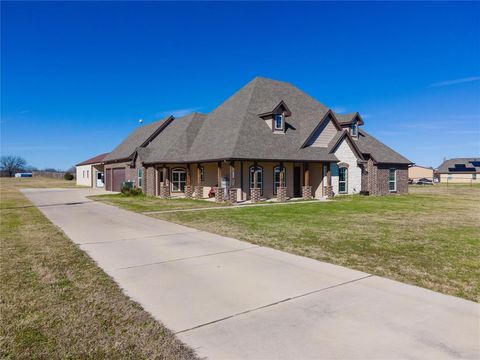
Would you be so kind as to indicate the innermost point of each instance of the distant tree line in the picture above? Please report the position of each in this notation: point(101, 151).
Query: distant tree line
point(12, 164)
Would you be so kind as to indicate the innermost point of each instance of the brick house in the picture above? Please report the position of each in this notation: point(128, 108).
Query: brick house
point(268, 140)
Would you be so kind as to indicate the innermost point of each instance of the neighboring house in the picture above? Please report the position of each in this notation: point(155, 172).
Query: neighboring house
point(417, 172)
point(90, 172)
point(267, 140)
point(459, 170)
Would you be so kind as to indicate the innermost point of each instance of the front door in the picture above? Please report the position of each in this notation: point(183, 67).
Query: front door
point(99, 179)
point(297, 191)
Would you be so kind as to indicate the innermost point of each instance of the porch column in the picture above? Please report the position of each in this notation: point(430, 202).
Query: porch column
point(255, 191)
point(306, 188)
point(232, 192)
point(281, 189)
point(329, 188)
point(198, 187)
point(188, 185)
point(220, 191)
point(164, 187)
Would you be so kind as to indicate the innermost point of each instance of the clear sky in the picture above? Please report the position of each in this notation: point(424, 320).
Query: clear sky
point(77, 76)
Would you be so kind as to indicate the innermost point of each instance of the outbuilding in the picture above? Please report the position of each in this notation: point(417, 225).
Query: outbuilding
point(90, 172)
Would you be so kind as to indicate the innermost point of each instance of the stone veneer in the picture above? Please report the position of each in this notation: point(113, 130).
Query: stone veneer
point(233, 195)
point(281, 194)
point(198, 194)
point(219, 194)
point(189, 191)
point(306, 192)
point(255, 194)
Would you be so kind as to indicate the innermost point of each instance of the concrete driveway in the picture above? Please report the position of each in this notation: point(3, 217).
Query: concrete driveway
point(231, 299)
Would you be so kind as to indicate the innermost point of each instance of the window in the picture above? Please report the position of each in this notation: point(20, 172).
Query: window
point(354, 129)
point(343, 180)
point(259, 178)
point(139, 173)
point(276, 178)
point(392, 180)
point(88, 173)
point(474, 176)
point(83, 173)
point(202, 174)
point(278, 122)
point(179, 180)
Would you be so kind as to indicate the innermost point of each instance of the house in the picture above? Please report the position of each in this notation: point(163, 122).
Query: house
point(268, 140)
point(459, 170)
point(417, 172)
point(90, 172)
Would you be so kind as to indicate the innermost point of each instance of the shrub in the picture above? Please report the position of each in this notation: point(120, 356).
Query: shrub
point(68, 176)
point(129, 190)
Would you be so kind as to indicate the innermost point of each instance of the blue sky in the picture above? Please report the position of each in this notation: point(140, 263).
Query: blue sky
point(77, 76)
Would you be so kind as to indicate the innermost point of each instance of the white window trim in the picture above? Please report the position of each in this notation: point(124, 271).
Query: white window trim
point(354, 126)
point(346, 180)
point(139, 177)
point(394, 180)
point(178, 170)
point(276, 183)
point(275, 122)
point(250, 178)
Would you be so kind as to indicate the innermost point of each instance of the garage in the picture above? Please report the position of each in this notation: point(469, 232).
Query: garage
point(114, 179)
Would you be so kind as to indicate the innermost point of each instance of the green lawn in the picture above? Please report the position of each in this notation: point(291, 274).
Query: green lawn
point(55, 303)
point(144, 203)
point(430, 237)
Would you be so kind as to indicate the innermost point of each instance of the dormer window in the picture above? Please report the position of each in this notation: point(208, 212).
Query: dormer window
point(354, 129)
point(278, 122)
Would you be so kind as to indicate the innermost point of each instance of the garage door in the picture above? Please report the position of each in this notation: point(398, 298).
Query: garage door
point(108, 180)
point(118, 178)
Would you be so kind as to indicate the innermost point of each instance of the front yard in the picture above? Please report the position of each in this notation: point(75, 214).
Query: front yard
point(55, 303)
point(429, 238)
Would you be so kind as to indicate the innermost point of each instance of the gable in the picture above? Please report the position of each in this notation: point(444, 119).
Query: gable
point(344, 151)
point(323, 134)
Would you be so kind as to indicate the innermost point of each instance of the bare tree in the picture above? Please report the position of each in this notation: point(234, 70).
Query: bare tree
point(12, 164)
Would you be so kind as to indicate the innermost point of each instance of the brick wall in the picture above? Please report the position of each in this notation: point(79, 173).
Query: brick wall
point(379, 181)
point(150, 181)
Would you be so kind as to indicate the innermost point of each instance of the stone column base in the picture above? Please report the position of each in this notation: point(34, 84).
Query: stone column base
point(254, 194)
point(164, 191)
point(233, 195)
point(281, 194)
point(219, 194)
point(329, 191)
point(188, 191)
point(306, 192)
point(198, 192)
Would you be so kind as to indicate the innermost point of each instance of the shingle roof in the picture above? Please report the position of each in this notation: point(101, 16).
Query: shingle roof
point(460, 165)
point(380, 152)
point(127, 147)
point(94, 160)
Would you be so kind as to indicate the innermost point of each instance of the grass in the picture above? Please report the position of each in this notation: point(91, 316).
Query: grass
point(144, 203)
point(56, 303)
point(429, 238)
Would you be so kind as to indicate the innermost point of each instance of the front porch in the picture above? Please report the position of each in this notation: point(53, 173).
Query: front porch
point(240, 181)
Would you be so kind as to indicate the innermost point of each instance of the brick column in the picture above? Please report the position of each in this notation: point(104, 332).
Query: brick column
point(281, 194)
point(232, 195)
point(164, 191)
point(329, 191)
point(189, 191)
point(306, 192)
point(150, 181)
point(254, 194)
point(198, 192)
point(219, 194)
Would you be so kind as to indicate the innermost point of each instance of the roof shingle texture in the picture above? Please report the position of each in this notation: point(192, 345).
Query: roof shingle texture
point(378, 150)
point(94, 160)
point(127, 147)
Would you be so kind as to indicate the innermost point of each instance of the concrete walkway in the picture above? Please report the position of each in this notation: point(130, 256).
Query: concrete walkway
point(230, 299)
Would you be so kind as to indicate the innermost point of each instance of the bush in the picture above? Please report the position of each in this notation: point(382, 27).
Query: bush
point(129, 190)
point(68, 176)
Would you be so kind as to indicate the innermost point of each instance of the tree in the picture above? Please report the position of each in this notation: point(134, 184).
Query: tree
point(12, 164)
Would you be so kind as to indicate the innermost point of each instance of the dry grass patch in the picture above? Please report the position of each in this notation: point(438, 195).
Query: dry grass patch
point(56, 303)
